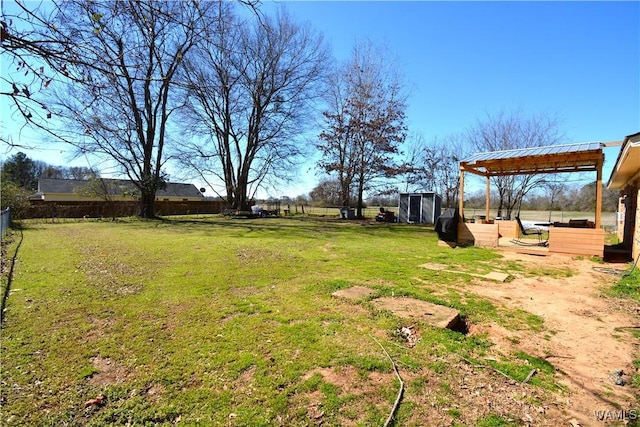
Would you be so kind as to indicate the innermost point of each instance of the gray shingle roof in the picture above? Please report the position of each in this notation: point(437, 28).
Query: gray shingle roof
point(114, 187)
point(179, 190)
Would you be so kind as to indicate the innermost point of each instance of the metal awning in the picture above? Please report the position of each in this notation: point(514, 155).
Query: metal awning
point(577, 157)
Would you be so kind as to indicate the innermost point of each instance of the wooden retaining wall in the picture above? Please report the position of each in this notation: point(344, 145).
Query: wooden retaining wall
point(478, 234)
point(508, 229)
point(578, 241)
point(565, 240)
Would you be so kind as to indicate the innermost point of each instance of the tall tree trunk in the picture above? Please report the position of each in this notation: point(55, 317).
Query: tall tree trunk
point(241, 201)
point(147, 204)
point(344, 194)
point(360, 197)
point(345, 184)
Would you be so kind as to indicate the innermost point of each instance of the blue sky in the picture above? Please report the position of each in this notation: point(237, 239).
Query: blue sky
point(464, 60)
point(580, 60)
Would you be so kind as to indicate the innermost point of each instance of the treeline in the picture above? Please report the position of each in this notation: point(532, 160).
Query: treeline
point(577, 198)
point(19, 179)
point(25, 172)
point(550, 195)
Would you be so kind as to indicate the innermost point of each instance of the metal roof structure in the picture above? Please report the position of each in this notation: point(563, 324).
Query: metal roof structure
point(576, 157)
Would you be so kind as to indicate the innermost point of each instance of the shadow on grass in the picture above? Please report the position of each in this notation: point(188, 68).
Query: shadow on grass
point(291, 225)
point(7, 287)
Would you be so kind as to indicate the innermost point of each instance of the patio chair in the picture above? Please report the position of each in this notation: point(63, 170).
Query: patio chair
point(529, 231)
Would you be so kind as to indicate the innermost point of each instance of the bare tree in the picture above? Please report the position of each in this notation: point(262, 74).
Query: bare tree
point(110, 191)
point(512, 131)
point(435, 166)
point(364, 123)
point(251, 90)
point(29, 45)
point(443, 158)
point(554, 190)
point(122, 97)
point(326, 193)
point(40, 54)
point(337, 145)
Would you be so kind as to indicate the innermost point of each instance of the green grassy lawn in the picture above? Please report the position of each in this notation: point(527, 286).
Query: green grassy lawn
point(215, 321)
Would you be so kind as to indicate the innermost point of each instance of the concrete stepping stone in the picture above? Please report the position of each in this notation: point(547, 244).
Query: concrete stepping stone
point(435, 315)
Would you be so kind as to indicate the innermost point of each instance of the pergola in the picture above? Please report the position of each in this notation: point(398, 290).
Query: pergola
point(577, 157)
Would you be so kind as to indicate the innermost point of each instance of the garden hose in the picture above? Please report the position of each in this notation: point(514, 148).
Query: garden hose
point(628, 273)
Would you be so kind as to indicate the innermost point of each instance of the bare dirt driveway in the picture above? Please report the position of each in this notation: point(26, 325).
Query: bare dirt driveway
point(588, 338)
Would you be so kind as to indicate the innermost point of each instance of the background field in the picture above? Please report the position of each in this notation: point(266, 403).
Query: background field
point(608, 218)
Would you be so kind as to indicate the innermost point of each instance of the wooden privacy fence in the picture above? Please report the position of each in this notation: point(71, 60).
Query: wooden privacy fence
point(104, 209)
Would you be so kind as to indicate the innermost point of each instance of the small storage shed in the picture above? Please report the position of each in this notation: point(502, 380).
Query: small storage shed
point(419, 208)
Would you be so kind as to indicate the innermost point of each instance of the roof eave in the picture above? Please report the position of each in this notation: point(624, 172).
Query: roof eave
point(627, 164)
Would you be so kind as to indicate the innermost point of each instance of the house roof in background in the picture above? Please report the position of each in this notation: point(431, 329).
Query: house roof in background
point(179, 190)
point(627, 164)
point(114, 187)
point(576, 157)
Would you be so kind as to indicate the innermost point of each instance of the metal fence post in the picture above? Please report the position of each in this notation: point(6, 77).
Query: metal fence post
point(5, 221)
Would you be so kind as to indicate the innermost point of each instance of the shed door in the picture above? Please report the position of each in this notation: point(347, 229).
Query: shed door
point(415, 208)
point(427, 209)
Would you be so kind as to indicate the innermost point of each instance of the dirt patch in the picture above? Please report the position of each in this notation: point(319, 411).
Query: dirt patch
point(349, 382)
point(433, 266)
point(493, 275)
point(109, 372)
point(244, 291)
point(247, 376)
point(466, 393)
point(260, 255)
point(354, 293)
point(100, 325)
point(105, 271)
point(581, 340)
point(154, 392)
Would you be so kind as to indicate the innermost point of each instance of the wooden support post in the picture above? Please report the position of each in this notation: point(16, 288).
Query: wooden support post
point(487, 198)
point(599, 195)
point(461, 196)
